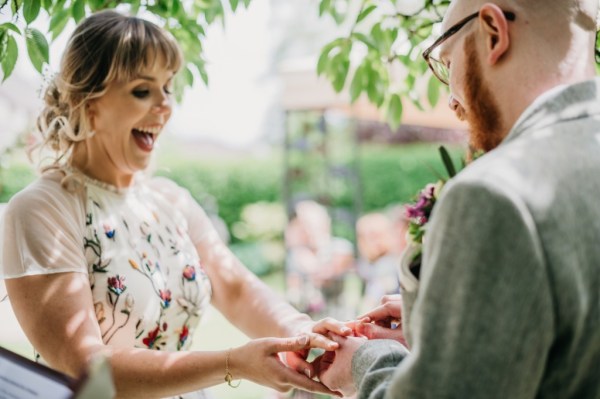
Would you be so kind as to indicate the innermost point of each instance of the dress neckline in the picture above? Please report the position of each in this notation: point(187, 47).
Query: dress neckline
point(78, 174)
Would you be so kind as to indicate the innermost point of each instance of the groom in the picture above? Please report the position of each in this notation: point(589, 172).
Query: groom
point(509, 298)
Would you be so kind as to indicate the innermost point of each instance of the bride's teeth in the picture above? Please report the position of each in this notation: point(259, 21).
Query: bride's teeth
point(150, 130)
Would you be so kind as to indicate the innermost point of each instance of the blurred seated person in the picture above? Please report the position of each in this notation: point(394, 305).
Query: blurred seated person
point(379, 258)
point(316, 261)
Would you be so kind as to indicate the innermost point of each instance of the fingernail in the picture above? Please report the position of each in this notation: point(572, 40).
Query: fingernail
point(332, 345)
point(307, 373)
point(303, 340)
point(346, 330)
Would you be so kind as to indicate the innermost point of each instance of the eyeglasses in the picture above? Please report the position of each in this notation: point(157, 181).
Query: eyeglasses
point(439, 69)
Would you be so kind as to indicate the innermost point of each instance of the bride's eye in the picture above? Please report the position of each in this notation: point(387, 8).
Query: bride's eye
point(141, 93)
point(168, 90)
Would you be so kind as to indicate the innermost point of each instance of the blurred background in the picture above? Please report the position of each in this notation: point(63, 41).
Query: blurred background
point(306, 186)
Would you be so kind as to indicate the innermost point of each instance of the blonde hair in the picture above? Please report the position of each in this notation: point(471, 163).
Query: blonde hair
point(105, 47)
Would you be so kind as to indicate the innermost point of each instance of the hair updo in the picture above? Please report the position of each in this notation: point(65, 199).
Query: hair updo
point(104, 48)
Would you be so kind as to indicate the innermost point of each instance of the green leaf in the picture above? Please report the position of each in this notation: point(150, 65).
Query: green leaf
point(78, 10)
point(247, 3)
point(340, 66)
point(58, 22)
point(324, 6)
point(3, 43)
point(375, 88)
point(175, 7)
point(394, 112)
point(184, 79)
point(96, 5)
point(358, 83)
point(15, 5)
point(47, 4)
point(447, 162)
point(31, 10)
point(135, 6)
point(11, 26)
point(203, 73)
point(433, 91)
point(59, 5)
point(234, 4)
point(341, 73)
point(365, 39)
point(10, 58)
point(417, 103)
point(364, 13)
point(323, 61)
point(377, 33)
point(188, 76)
point(37, 48)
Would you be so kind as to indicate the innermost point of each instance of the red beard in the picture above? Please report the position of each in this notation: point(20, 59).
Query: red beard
point(483, 116)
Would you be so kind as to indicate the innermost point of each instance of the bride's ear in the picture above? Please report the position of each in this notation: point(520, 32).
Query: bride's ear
point(90, 113)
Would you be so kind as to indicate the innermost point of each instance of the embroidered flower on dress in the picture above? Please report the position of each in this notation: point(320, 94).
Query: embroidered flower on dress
point(152, 337)
point(165, 296)
point(109, 231)
point(134, 264)
point(116, 284)
point(99, 309)
point(189, 273)
point(183, 336)
point(129, 302)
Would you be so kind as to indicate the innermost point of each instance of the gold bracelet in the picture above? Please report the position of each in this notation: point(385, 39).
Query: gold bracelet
point(228, 376)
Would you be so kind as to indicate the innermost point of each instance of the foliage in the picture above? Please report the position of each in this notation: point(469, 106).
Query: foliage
point(380, 53)
point(247, 192)
point(186, 20)
point(388, 174)
point(225, 186)
point(13, 179)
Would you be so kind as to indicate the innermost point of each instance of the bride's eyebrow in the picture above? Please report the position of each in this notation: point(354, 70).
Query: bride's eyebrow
point(148, 78)
point(144, 77)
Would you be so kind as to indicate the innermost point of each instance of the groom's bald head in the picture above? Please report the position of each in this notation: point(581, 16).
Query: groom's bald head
point(548, 12)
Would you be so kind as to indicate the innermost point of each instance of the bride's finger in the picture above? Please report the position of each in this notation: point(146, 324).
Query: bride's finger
point(323, 342)
point(331, 325)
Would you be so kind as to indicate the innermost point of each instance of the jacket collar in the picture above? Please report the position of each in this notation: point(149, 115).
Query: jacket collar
point(560, 104)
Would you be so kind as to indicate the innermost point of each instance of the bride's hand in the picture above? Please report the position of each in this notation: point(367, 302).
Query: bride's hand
point(258, 361)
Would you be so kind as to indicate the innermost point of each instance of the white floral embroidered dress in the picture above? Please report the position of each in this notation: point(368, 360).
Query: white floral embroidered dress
point(137, 246)
point(147, 281)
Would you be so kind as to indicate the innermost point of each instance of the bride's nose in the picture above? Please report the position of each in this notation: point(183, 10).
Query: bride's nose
point(162, 107)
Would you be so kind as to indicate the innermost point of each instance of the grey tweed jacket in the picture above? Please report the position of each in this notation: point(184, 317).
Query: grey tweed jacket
point(508, 305)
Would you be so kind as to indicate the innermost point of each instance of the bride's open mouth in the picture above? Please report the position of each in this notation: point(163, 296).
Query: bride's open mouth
point(145, 137)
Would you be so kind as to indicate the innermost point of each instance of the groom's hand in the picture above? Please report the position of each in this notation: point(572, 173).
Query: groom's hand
point(317, 333)
point(386, 321)
point(334, 368)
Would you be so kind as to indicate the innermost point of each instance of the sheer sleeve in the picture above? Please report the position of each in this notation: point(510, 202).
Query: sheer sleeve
point(200, 226)
point(42, 230)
